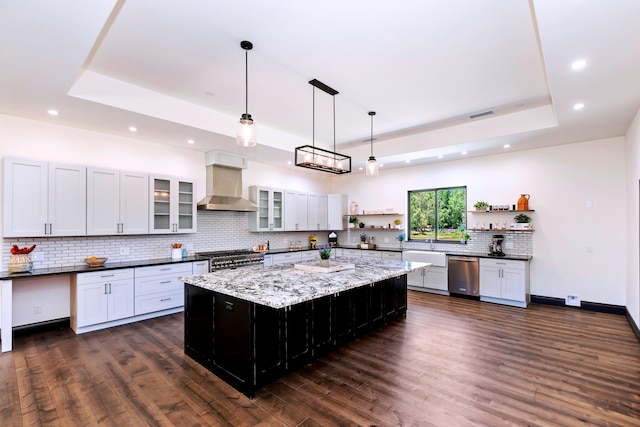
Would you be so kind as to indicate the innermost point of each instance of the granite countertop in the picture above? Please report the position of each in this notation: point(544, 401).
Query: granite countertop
point(84, 268)
point(308, 248)
point(280, 286)
point(486, 255)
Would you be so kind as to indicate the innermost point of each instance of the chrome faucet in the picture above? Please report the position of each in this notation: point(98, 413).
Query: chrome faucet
point(431, 247)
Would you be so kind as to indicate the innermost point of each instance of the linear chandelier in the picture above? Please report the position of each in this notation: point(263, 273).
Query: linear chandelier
point(310, 157)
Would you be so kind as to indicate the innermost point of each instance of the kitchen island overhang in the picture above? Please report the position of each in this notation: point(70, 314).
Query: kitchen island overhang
point(252, 325)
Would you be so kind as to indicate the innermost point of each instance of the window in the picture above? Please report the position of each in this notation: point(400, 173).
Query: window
point(439, 214)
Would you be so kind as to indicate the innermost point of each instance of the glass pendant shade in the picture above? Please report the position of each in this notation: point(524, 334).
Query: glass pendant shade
point(372, 167)
point(246, 132)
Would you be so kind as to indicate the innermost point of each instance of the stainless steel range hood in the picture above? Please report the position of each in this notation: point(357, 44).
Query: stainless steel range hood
point(224, 184)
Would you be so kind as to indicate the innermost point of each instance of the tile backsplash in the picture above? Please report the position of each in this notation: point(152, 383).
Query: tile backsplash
point(223, 231)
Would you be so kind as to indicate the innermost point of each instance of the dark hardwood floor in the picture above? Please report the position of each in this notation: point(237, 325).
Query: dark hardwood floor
point(451, 362)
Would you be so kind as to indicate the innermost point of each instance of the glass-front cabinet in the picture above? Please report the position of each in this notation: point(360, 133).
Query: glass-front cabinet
point(269, 216)
point(173, 206)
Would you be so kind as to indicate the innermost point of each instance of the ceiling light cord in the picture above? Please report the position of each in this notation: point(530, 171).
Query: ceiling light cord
point(246, 131)
point(372, 168)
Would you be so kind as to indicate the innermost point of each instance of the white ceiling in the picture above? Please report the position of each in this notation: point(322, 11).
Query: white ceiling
point(176, 71)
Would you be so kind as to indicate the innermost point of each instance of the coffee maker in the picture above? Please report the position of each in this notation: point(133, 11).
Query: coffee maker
point(495, 249)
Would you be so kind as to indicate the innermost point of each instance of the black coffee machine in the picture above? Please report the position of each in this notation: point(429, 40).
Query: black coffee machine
point(333, 239)
point(495, 249)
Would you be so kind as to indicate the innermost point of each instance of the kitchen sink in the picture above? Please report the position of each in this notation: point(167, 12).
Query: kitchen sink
point(438, 259)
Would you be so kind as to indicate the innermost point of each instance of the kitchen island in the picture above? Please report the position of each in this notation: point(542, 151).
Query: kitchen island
point(252, 325)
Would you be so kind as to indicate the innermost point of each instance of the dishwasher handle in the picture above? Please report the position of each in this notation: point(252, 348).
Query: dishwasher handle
point(463, 259)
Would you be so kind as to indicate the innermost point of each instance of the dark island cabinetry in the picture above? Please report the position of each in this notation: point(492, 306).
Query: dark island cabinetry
point(250, 345)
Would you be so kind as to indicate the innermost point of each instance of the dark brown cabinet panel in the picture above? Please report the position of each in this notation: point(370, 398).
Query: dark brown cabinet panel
point(198, 324)
point(343, 316)
point(361, 310)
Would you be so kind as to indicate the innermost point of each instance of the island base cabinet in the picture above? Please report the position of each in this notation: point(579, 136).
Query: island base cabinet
point(249, 345)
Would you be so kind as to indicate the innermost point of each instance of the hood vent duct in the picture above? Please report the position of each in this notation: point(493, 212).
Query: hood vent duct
point(224, 184)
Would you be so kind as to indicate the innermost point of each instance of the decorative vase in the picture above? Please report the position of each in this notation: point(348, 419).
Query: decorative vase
point(20, 263)
point(523, 202)
point(176, 253)
point(353, 208)
point(324, 263)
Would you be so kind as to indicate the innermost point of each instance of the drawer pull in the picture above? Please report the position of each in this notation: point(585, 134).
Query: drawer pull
point(165, 269)
point(165, 282)
point(228, 305)
point(108, 275)
point(165, 299)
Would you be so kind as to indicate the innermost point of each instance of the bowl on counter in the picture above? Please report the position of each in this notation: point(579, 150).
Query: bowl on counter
point(95, 261)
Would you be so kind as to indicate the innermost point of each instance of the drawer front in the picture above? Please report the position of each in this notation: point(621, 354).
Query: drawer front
point(352, 252)
point(157, 302)
point(309, 256)
point(286, 258)
point(156, 284)
point(502, 263)
point(104, 276)
point(180, 269)
point(392, 255)
point(371, 254)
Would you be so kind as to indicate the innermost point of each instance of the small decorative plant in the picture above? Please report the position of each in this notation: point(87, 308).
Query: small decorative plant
point(354, 220)
point(522, 218)
point(464, 237)
point(325, 252)
point(481, 205)
point(401, 237)
point(363, 238)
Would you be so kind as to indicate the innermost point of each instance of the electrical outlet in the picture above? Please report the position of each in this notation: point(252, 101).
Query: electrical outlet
point(572, 300)
point(124, 250)
point(37, 309)
point(37, 256)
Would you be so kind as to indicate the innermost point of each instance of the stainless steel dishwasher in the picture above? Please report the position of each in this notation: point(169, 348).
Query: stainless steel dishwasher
point(463, 275)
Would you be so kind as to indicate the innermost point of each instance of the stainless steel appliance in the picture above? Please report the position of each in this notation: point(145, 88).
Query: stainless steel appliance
point(495, 249)
point(463, 275)
point(220, 260)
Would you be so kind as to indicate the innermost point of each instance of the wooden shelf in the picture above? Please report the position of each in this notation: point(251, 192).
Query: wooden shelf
point(507, 211)
point(502, 230)
point(379, 214)
point(375, 228)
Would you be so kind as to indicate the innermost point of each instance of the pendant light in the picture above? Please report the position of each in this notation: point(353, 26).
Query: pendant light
point(246, 133)
point(372, 165)
point(310, 157)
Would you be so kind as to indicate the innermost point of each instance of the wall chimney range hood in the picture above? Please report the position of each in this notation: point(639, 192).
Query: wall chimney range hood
point(224, 183)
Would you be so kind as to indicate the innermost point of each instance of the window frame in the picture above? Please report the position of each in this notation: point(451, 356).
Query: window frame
point(436, 231)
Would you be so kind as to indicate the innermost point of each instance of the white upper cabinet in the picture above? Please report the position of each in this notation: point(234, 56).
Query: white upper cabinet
point(117, 202)
point(316, 211)
point(172, 205)
point(270, 215)
point(295, 210)
point(43, 199)
point(336, 211)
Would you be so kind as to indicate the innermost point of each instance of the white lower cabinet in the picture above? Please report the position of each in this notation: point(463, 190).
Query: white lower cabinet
point(285, 258)
point(107, 298)
point(504, 281)
point(102, 297)
point(432, 279)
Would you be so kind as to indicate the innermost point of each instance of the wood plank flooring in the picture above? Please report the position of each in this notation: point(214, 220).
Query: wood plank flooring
point(451, 362)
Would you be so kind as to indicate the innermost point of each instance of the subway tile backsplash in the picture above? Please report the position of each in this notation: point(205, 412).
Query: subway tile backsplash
point(222, 231)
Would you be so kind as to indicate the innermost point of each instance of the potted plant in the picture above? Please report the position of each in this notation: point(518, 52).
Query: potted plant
point(464, 236)
point(353, 221)
point(481, 206)
point(363, 241)
point(522, 218)
point(401, 238)
point(325, 254)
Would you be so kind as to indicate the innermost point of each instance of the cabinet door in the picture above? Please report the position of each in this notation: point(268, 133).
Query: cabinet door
point(295, 210)
point(490, 282)
point(134, 203)
point(232, 346)
point(298, 334)
point(103, 201)
point(121, 298)
point(312, 211)
point(186, 207)
point(513, 284)
point(389, 299)
point(336, 211)
point(200, 267)
point(400, 284)
point(161, 220)
point(198, 323)
point(67, 200)
point(436, 278)
point(277, 210)
point(377, 304)
point(343, 317)
point(362, 310)
point(416, 278)
point(92, 304)
point(322, 325)
point(24, 198)
point(323, 214)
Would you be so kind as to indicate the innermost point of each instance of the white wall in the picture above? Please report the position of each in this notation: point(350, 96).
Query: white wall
point(633, 219)
point(560, 180)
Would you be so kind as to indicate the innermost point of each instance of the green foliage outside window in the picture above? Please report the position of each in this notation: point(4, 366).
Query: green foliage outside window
point(438, 213)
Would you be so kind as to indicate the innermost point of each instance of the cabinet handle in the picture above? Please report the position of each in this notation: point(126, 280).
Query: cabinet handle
point(228, 305)
point(165, 299)
point(165, 269)
point(45, 228)
point(165, 282)
point(107, 275)
point(105, 289)
point(109, 287)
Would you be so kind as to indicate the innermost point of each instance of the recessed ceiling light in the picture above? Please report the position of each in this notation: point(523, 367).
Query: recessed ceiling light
point(579, 64)
point(381, 165)
point(464, 153)
point(506, 146)
point(440, 156)
point(133, 129)
point(407, 161)
point(209, 93)
point(190, 141)
point(578, 106)
point(53, 112)
point(361, 168)
point(289, 162)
